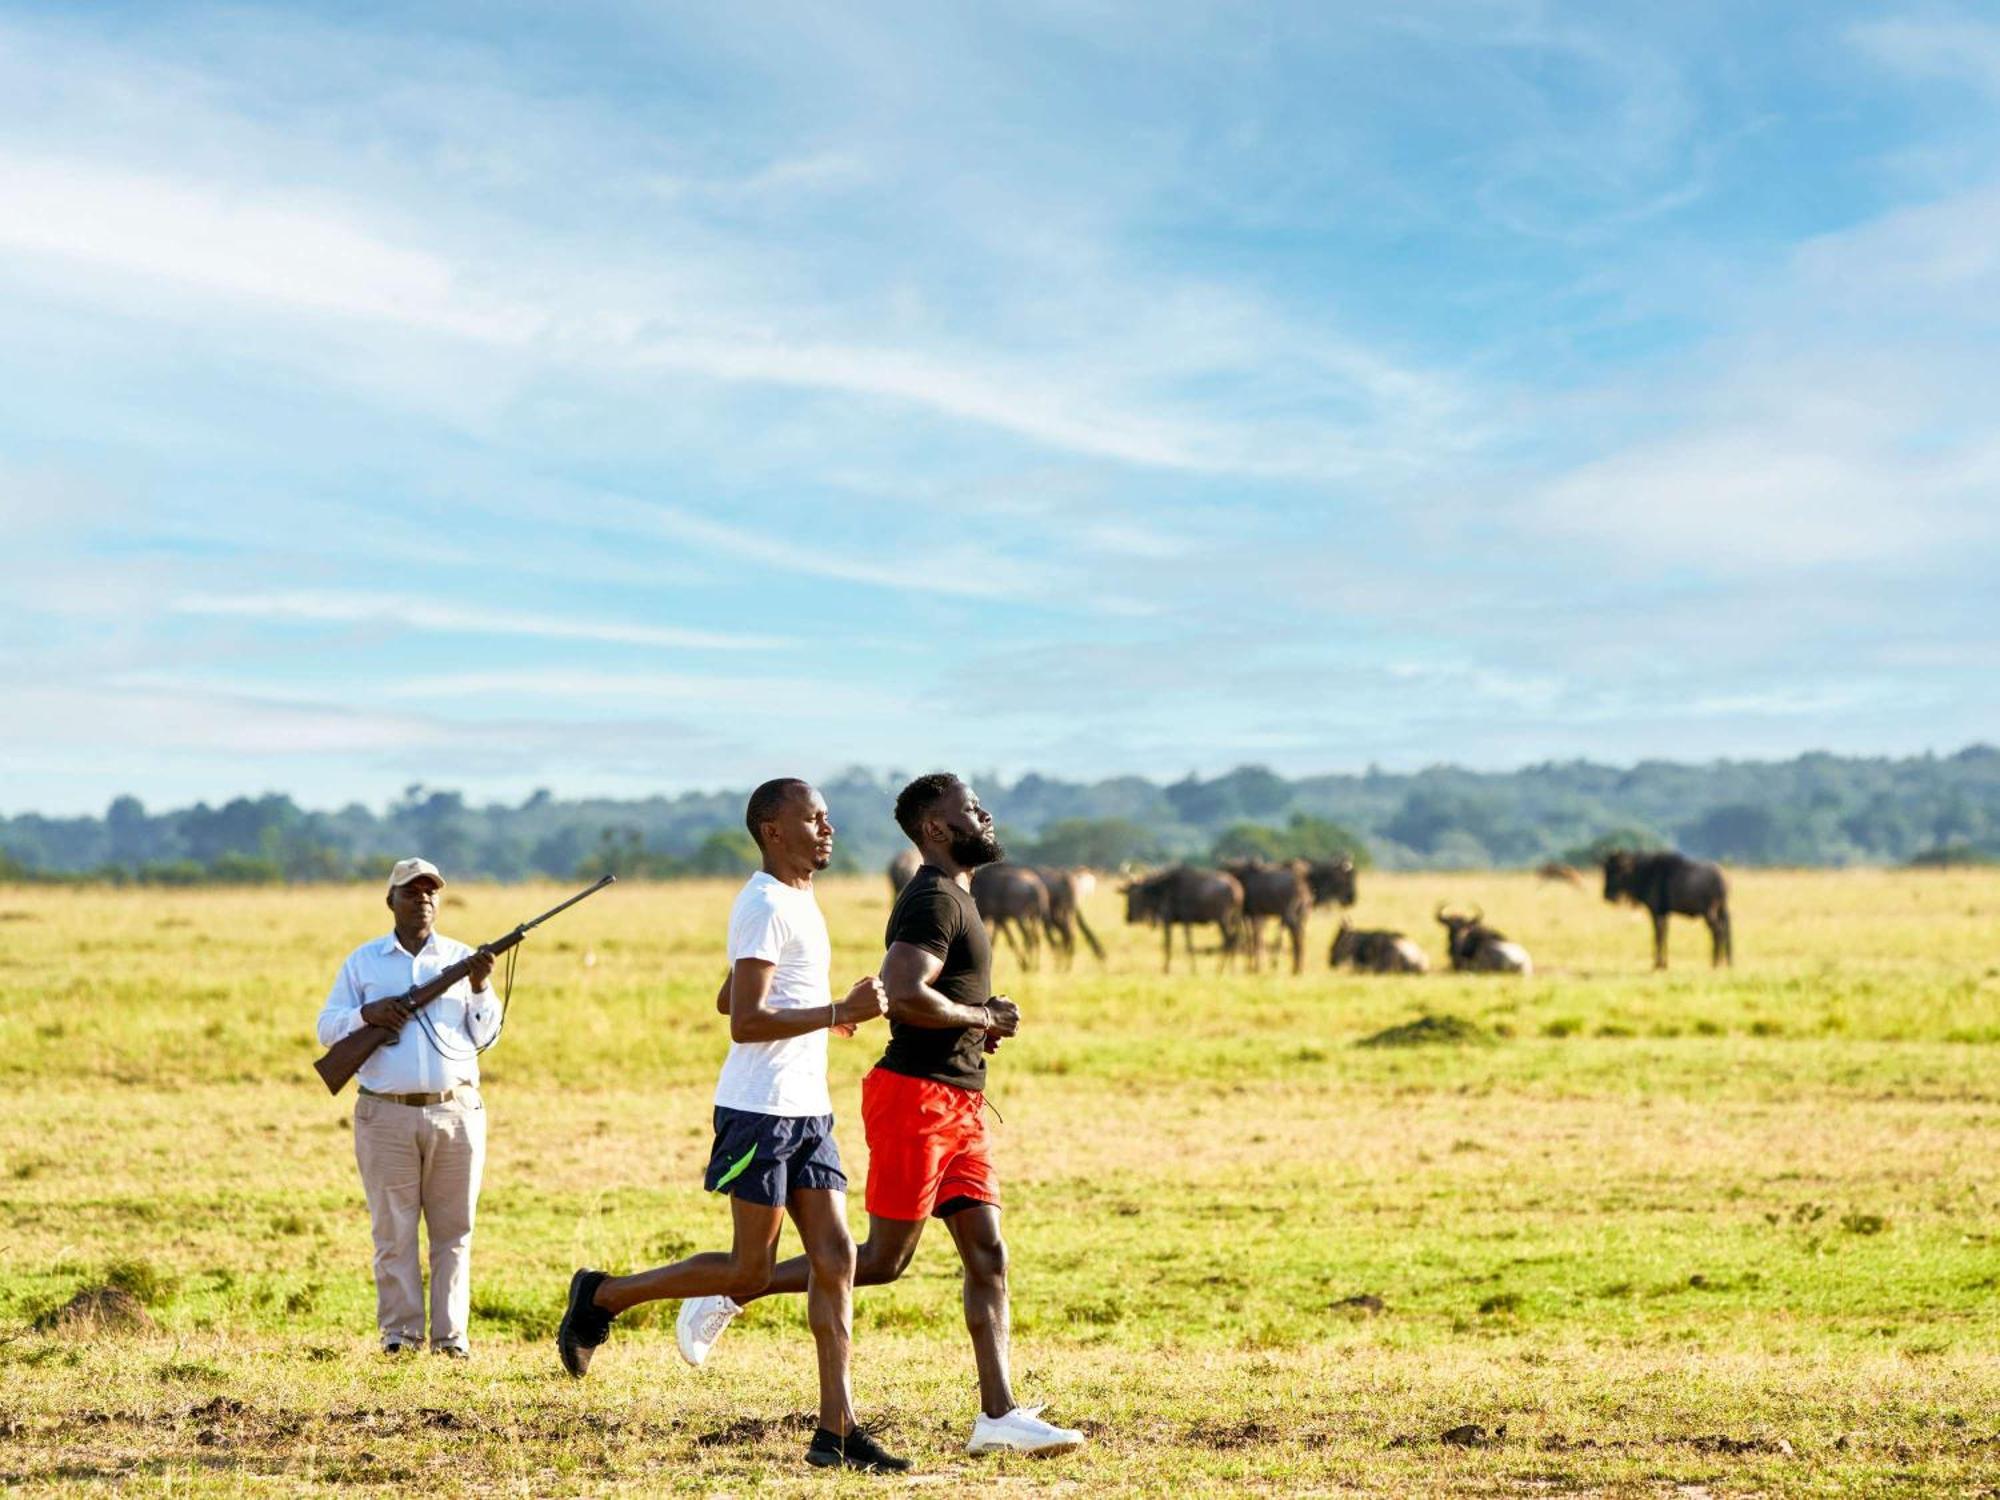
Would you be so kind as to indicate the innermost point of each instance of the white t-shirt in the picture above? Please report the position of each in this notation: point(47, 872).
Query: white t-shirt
point(783, 926)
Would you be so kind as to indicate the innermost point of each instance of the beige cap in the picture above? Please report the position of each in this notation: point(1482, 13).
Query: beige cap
point(409, 869)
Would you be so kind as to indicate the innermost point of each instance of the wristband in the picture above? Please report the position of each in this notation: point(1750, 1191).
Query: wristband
point(832, 1015)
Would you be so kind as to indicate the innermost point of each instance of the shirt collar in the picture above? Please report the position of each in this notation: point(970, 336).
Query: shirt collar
point(391, 947)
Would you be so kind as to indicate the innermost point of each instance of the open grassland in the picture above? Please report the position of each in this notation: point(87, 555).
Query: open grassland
point(1678, 1234)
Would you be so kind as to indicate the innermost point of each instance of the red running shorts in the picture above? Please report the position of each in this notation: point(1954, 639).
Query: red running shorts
point(926, 1145)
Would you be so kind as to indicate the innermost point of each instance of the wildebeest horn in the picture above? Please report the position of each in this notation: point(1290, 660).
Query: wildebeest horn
point(1442, 915)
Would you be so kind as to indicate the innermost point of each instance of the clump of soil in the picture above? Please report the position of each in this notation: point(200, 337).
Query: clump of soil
point(1433, 1031)
point(99, 1309)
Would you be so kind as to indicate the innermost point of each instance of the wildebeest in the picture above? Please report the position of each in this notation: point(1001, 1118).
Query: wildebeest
point(1379, 951)
point(1014, 904)
point(1331, 880)
point(1555, 869)
point(1274, 891)
point(902, 870)
point(1066, 889)
point(1476, 948)
point(1187, 897)
point(1668, 883)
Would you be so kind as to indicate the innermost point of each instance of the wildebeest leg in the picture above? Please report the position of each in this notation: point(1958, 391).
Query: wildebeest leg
point(1017, 935)
point(1718, 930)
point(1168, 927)
point(1089, 937)
point(1660, 919)
point(1187, 930)
point(1298, 927)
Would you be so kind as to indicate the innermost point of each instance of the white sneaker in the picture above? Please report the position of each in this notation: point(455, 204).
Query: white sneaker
point(700, 1324)
point(1022, 1430)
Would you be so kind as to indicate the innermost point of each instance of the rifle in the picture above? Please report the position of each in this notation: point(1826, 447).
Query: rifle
point(345, 1057)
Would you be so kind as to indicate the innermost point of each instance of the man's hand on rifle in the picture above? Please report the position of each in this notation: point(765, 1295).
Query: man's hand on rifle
point(389, 1014)
point(481, 963)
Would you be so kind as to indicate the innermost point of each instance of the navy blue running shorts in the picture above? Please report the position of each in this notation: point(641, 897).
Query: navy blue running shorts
point(763, 1158)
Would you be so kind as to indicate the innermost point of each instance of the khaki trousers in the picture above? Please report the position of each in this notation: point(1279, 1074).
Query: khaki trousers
point(422, 1160)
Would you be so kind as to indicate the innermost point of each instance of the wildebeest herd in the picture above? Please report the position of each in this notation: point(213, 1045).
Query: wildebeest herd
point(1028, 908)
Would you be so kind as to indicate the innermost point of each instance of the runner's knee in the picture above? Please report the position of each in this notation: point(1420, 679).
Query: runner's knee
point(748, 1278)
point(832, 1259)
point(877, 1265)
point(986, 1260)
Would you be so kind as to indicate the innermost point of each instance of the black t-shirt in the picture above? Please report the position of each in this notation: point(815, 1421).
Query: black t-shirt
point(933, 913)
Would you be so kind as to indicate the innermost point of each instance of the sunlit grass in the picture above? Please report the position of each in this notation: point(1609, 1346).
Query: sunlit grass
point(1733, 1229)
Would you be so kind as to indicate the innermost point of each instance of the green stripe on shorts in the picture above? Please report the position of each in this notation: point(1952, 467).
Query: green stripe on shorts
point(736, 1171)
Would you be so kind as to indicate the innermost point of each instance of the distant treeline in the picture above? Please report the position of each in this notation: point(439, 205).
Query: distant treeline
point(1815, 810)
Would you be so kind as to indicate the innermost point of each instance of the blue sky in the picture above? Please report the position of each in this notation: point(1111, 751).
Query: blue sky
point(634, 397)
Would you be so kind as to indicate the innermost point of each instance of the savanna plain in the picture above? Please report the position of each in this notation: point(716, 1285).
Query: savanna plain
point(1683, 1234)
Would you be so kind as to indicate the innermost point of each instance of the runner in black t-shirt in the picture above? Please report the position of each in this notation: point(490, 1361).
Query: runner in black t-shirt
point(920, 1106)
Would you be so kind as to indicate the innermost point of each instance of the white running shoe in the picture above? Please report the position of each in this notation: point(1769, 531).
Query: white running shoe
point(700, 1324)
point(1022, 1430)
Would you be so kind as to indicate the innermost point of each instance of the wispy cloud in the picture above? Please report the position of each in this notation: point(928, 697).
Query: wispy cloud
point(390, 611)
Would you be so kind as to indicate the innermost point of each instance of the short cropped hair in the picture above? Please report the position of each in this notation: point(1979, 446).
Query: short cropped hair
point(916, 800)
point(767, 800)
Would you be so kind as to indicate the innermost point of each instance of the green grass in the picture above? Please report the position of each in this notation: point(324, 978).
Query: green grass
point(1735, 1231)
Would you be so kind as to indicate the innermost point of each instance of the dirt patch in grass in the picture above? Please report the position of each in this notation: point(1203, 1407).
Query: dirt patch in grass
point(1433, 1031)
point(756, 1429)
point(98, 1309)
point(1228, 1435)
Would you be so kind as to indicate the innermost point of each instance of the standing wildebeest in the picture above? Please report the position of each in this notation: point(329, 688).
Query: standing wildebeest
point(1331, 880)
point(1066, 890)
point(902, 870)
point(1667, 883)
point(1186, 896)
point(1379, 951)
point(1274, 891)
point(1014, 904)
point(1476, 948)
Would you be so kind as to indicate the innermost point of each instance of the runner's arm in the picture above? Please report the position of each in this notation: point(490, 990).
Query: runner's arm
point(722, 995)
point(907, 972)
point(752, 1017)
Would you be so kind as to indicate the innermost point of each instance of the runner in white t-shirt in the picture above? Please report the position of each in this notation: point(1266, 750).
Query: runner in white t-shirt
point(774, 1151)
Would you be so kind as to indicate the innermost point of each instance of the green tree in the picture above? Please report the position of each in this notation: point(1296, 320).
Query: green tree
point(727, 851)
point(1100, 843)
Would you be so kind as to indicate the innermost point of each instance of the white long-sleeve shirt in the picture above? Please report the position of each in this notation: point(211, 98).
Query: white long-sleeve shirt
point(462, 1017)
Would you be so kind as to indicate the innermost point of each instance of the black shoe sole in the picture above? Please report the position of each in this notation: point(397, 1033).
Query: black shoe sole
point(566, 1345)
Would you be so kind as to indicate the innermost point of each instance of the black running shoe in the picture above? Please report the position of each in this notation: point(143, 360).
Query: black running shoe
point(858, 1450)
point(584, 1325)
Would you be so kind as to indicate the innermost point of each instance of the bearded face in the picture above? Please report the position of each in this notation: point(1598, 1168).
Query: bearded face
point(972, 849)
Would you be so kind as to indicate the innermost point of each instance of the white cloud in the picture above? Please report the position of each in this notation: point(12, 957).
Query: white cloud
point(323, 608)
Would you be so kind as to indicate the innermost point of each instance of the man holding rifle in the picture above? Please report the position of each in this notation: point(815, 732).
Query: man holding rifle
point(419, 1125)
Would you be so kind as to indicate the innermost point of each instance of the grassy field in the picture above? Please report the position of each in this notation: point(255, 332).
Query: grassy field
point(1677, 1234)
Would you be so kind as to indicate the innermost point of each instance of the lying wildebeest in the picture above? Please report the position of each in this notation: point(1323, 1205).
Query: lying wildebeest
point(1476, 948)
point(1187, 897)
point(1331, 880)
point(1555, 869)
point(1014, 904)
point(1066, 889)
point(1379, 952)
point(1667, 883)
point(902, 870)
point(1274, 891)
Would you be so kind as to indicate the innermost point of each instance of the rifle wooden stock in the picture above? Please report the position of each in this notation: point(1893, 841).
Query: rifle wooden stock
point(345, 1057)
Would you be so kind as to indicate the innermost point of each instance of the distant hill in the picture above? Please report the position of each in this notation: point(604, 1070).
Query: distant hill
point(1817, 809)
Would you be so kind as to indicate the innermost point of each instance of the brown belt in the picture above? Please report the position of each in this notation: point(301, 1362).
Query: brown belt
point(420, 1101)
